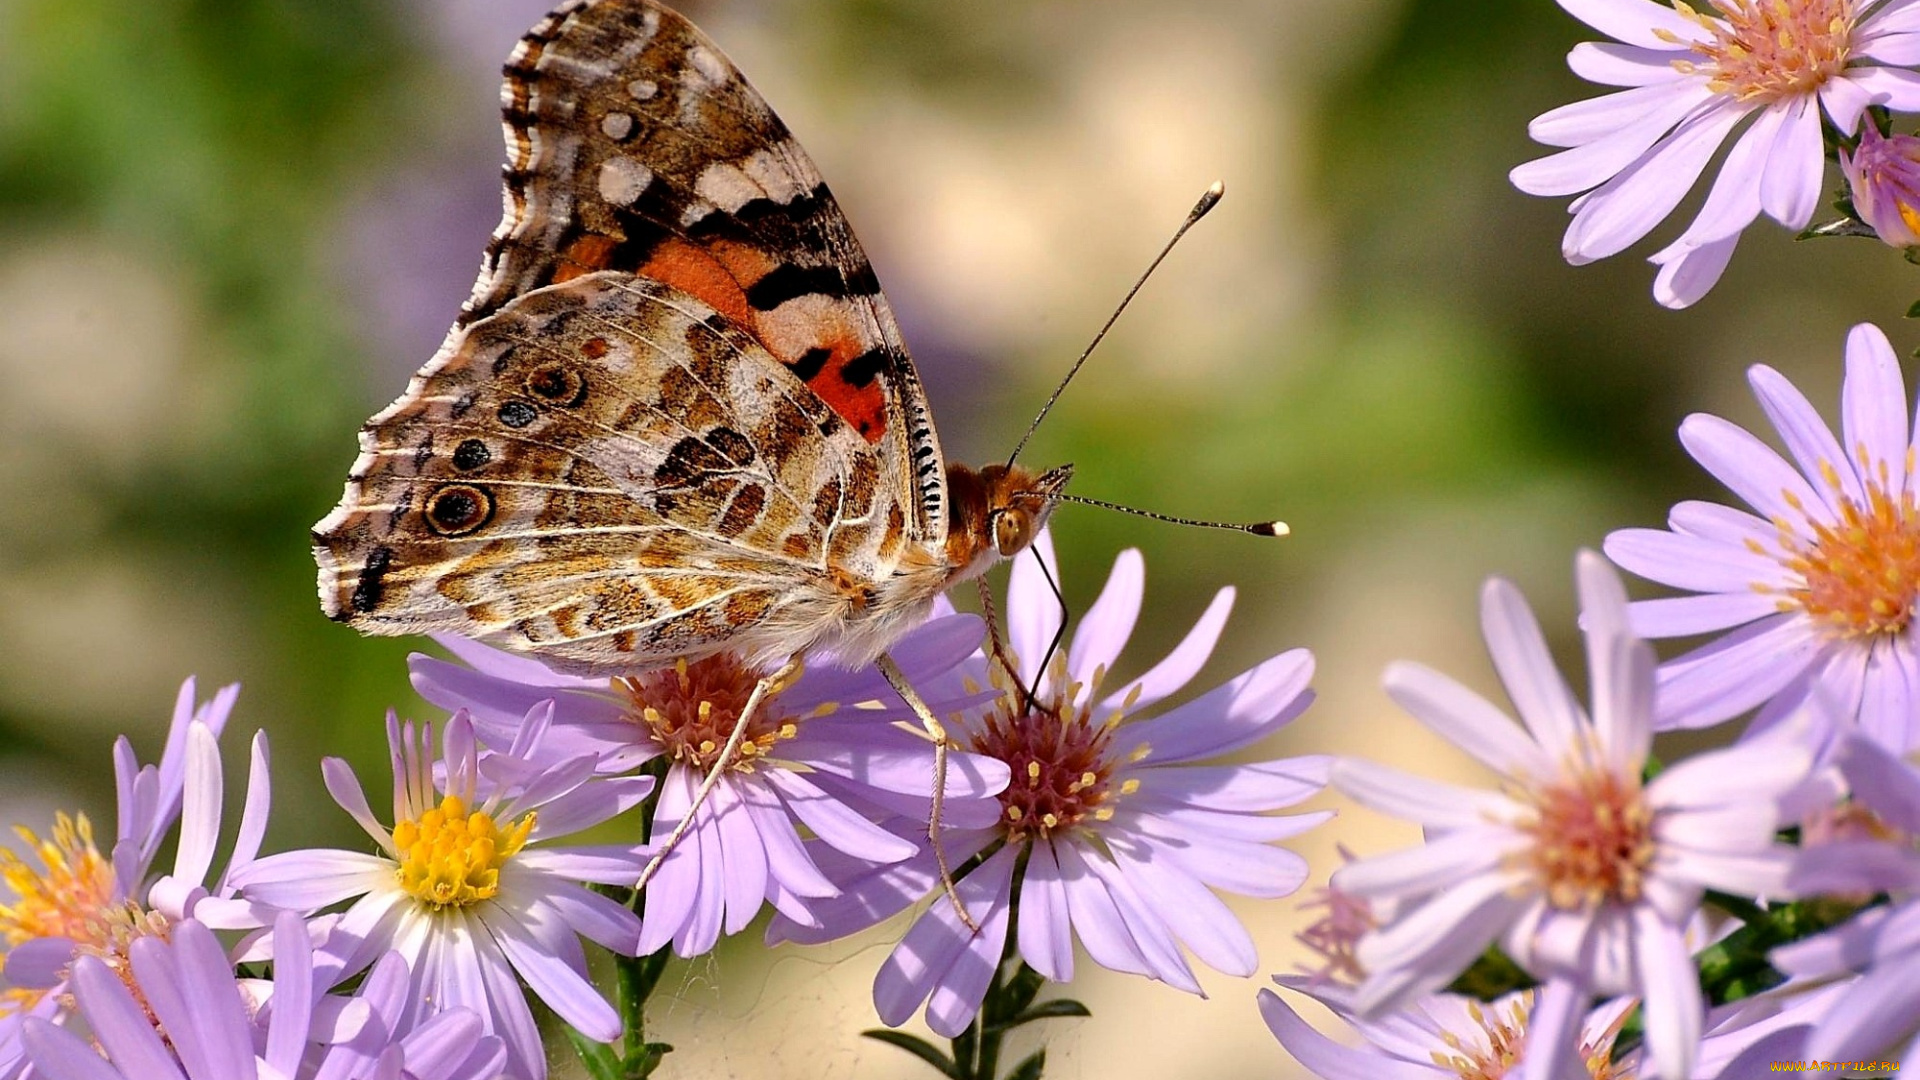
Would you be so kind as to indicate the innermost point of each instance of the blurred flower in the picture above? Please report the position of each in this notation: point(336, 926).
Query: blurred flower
point(1587, 875)
point(463, 888)
point(1440, 1036)
point(81, 901)
point(1884, 176)
point(1878, 1014)
point(1118, 833)
point(176, 1008)
point(1820, 590)
point(1692, 79)
point(817, 749)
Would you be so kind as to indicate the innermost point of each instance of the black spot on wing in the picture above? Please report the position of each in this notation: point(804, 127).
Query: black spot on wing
point(367, 593)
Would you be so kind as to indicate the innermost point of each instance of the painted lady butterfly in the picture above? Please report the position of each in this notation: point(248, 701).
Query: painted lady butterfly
point(675, 418)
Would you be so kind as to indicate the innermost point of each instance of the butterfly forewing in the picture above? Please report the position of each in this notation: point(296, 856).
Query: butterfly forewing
point(635, 145)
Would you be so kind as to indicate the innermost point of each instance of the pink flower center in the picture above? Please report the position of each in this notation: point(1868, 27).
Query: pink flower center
point(1336, 935)
point(1593, 838)
point(691, 709)
point(1860, 575)
point(1492, 1050)
point(1766, 50)
point(1058, 755)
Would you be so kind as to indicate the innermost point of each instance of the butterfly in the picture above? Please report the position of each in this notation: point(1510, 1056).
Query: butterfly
point(676, 417)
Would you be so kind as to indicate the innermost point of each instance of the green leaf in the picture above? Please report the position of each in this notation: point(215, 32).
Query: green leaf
point(1046, 1010)
point(1493, 975)
point(918, 1047)
point(1845, 226)
point(1914, 311)
point(601, 1062)
point(1030, 1069)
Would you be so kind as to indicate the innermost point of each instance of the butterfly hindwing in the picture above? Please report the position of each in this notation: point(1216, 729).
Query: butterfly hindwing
point(610, 471)
point(635, 145)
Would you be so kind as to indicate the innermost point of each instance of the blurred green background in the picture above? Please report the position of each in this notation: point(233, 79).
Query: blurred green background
point(229, 230)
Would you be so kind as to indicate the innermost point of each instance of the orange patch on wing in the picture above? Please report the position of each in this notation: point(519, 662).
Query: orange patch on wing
point(862, 407)
point(584, 256)
point(694, 270)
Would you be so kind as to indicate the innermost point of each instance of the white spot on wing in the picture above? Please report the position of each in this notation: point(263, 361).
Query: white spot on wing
point(771, 175)
point(642, 89)
point(616, 125)
point(724, 185)
point(622, 179)
point(706, 65)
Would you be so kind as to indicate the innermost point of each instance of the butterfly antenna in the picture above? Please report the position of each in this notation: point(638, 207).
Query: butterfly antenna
point(1254, 528)
point(1206, 203)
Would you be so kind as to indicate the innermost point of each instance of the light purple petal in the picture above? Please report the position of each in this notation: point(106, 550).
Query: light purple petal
point(1727, 677)
point(1713, 521)
point(39, 963)
point(1636, 22)
point(1749, 468)
point(1553, 1031)
point(1693, 563)
point(834, 822)
point(1230, 716)
point(787, 860)
point(1672, 1005)
point(1683, 616)
point(1033, 614)
point(1103, 632)
point(1593, 163)
point(61, 1055)
point(1894, 88)
point(937, 943)
point(121, 1025)
point(1890, 691)
point(1519, 652)
point(1807, 436)
point(1046, 940)
point(1612, 64)
point(1183, 663)
point(1250, 788)
point(312, 879)
point(1690, 271)
point(1189, 909)
point(1627, 207)
point(1417, 798)
point(1149, 932)
point(1790, 187)
point(1327, 1059)
point(1742, 774)
point(1427, 947)
point(1095, 917)
point(745, 877)
point(570, 996)
point(1432, 866)
point(1873, 403)
point(1464, 719)
point(1880, 779)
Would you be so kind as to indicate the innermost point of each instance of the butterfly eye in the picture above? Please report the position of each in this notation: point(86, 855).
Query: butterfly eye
point(1012, 532)
point(458, 509)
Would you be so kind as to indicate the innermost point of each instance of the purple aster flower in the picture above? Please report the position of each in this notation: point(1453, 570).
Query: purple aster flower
point(1118, 829)
point(175, 1008)
point(1883, 174)
point(1877, 1013)
point(823, 755)
point(465, 886)
point(1692, 79)
point(1586, 874)
point(1438, 1037)
point(81, 900)
point(1819, 588)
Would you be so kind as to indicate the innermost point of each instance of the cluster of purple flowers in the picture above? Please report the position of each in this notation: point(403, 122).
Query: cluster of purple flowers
point(1691, 79)
point(415, 957)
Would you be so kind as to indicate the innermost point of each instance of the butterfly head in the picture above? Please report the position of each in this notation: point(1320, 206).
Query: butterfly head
point(997, 511)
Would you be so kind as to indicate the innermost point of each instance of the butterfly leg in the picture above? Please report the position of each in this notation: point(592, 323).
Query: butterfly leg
point(767, 687)
point(941, 742)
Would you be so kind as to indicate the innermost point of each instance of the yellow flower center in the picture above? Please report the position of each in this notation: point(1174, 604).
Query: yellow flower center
point(1766, 50)
point(1859, 575)
point(71, 896)
point(1592, 838)
point(450, 857)
point(691, 709)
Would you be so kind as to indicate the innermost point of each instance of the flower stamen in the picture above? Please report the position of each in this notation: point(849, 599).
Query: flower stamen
point(1766, 50)
point(450, 857)
point(691, 709)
